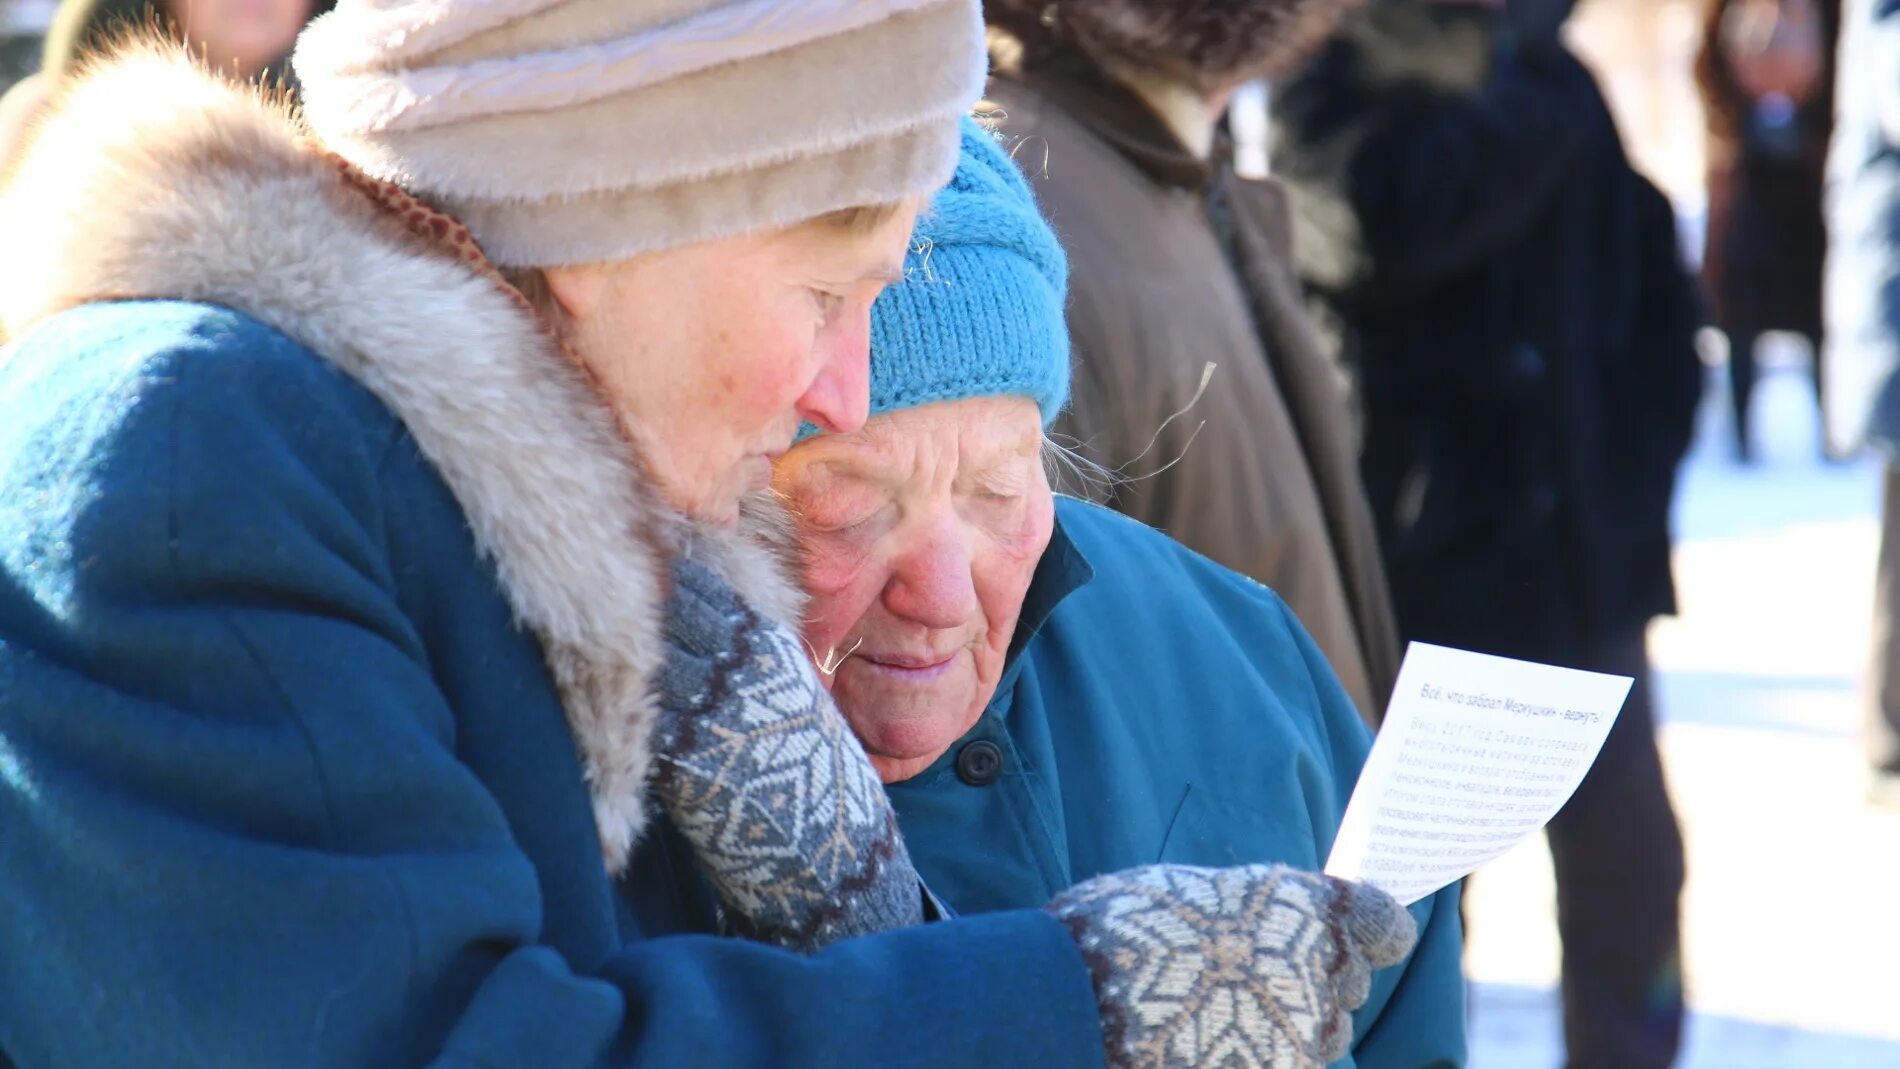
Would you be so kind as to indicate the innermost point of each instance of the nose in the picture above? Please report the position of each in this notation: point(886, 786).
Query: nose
point(839, 399)
point(931, 583)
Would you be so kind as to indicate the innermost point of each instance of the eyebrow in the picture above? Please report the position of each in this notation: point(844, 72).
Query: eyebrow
point(987, 463)
point(889, 274)
point(858, 456)
point(1027, 445)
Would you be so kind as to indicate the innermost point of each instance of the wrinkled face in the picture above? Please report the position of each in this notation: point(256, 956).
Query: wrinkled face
point(713, 353)
point(241, 37)
point(920, 535)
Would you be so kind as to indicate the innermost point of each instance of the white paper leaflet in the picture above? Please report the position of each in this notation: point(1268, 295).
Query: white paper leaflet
point(1476, 753)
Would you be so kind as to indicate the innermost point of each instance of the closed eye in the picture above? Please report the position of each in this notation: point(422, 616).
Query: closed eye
point(837, 514)
point(829, 304)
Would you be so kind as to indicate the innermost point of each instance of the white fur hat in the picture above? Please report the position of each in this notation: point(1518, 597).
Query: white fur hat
point(578, 131)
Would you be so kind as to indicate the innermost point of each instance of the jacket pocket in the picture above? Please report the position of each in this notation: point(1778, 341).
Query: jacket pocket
point(1215, 830)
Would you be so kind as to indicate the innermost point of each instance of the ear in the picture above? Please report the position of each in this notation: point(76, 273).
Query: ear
point(580, 290)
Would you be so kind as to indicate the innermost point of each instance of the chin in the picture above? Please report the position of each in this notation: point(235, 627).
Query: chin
point(903, 757)
point(901, 724)
point(913, 742)
point(720, 513)
point(715, 506)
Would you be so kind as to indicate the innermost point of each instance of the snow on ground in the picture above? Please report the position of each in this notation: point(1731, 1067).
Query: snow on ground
point(1792, 913)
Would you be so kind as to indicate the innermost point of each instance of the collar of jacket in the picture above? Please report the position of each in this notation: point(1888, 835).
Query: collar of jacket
point(153, 180)
point(1062, 571)
point(1119, 116)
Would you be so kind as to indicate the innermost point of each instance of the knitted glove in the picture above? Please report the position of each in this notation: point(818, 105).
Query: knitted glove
point(1256, 966)
point(764, 779)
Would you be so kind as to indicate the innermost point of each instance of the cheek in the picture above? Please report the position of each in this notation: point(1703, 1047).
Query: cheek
point(767, 365)
point(1002, 581)
point(843, 584)
point(1003, 569)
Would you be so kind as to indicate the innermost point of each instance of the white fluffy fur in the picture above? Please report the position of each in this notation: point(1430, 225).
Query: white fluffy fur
point(152, 179)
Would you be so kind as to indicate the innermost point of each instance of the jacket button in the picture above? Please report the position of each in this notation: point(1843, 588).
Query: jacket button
point(980, 763)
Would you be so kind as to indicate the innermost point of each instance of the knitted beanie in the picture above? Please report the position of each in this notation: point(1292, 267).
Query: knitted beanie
point(580, 131)
point(980, 310)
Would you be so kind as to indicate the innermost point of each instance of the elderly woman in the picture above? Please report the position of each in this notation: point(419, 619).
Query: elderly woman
point(369, 572)
point(1049, 690)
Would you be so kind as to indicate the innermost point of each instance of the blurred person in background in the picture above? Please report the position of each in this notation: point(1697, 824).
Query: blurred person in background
point(1863, 321)
point(1766, 73)
point(23, 25)
point(1115, 106)
point(1510, 296)
point(248, 40)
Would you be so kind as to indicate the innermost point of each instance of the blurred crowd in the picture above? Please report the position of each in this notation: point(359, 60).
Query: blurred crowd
point(1453, 336)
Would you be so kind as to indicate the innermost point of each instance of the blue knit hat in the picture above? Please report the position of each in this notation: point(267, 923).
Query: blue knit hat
point(980, 310)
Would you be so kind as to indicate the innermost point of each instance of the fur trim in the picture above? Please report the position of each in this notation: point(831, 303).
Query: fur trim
point(1210, 46)
point(152, 179)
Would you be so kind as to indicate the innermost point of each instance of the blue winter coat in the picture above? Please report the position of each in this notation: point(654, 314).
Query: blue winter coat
point(1159, 707)
point(281, 784)
point(1862, 299)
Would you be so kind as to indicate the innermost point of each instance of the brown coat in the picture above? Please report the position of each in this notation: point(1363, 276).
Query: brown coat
point(1264, 476)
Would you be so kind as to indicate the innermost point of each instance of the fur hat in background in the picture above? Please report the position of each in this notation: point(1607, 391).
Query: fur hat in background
point(579, 131)
point(1209, 46)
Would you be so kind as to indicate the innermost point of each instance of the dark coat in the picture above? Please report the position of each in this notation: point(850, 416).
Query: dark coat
point(1766, 242)
point(1176, 264)
point(1159, 707)
point(1510, 296)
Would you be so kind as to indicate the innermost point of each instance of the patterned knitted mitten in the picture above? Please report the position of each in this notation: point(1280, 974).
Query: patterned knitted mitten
point(1254, 966)
point(763, 777)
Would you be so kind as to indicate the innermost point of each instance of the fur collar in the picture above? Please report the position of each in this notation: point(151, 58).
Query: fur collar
point(151, 179)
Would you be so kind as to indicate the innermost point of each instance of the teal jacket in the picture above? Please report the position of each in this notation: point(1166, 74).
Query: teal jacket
point(1159, 707)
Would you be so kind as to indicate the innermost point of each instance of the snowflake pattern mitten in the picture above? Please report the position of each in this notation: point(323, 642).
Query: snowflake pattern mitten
point(762, 776)
point(1254, 966)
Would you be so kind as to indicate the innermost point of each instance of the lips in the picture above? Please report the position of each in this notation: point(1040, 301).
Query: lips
point(907, 660)
point(910, 668)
